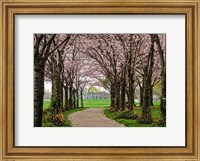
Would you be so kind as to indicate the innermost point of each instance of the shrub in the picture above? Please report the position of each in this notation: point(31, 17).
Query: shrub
point(160, 122)
point(48, 124)
point(58, 119)
point(127, 115)
point(47, 120)
point(53, 102)
point(145, 120)
point(51, 120)
point(47, 116)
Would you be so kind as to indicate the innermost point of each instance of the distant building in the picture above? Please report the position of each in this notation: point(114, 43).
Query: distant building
point(99, 95)
point(93, 93)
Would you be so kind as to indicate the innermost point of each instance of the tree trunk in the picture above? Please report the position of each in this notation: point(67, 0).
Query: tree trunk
point(66, 97)
point(133, 100)
point(57, 97)
point(38, 93)
point(151, 96)
point(112, 93)
point(53, 96)
point(141, 96)
point(74, 98)
point(163, 78)
point(146, 117)
point(81, 97)
point(71, 96)
point(123, 94)
point(146, 111)
point(53, 79)
point(61, 92)
point(130, 93)
point(77, 99)
point(163, 95)
point(60, 80)
point(56, 87)
point(117, 95)
point(130, 78)
point(53, 92)
point(61, 95)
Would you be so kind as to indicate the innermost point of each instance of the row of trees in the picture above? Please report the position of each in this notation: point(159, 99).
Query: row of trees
point(118, 62)
point(128, 61)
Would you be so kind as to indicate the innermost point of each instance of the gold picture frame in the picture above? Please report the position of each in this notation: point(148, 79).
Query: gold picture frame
point(9, 8)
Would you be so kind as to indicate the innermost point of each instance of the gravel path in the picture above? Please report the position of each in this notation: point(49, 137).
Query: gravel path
point(92, 117)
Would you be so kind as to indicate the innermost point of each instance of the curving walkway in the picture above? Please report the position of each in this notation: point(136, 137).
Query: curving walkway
point(92, 117)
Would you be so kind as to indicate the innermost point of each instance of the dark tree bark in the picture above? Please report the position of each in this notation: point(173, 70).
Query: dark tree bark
point(53, 79)
point(71, 95)
point(123, 91)
point(61, 92)
point(163, 77)
point(38, 92)
point(131, 77)
point(74, 98)
point(117, 95)
point(60, 75)
point(130, 90)
point(66, 96)
point(146, 111)
point(50, 72)
point(112, 93)
point(40, 57)
point(77, 99)
point(141, 96)
point(57, 86)
point(146, 117)
point(57, 96)
point(151, 96)
point(81, 92)
point(61, 95)
point(163, 96)
point(53, 95)
point(133, 100)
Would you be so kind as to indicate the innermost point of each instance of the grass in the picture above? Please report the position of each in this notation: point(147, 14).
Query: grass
point(156, 104)
point(87, 103)
point(155, 111)
point(105, 103)
point(96, 103)
point(46, 105)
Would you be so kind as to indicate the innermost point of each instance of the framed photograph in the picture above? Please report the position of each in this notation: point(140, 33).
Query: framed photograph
point(99, 80)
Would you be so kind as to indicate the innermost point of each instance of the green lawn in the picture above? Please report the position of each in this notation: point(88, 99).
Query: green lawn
point(88, 103)
point(155, 111)
point(156, 114)
point(46, 105)
point(96, 103)
point(105, 103)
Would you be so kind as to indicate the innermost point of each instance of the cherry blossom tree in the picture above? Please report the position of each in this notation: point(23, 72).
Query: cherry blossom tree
point(121, 63)
point(160, 42)
point(43, 48)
